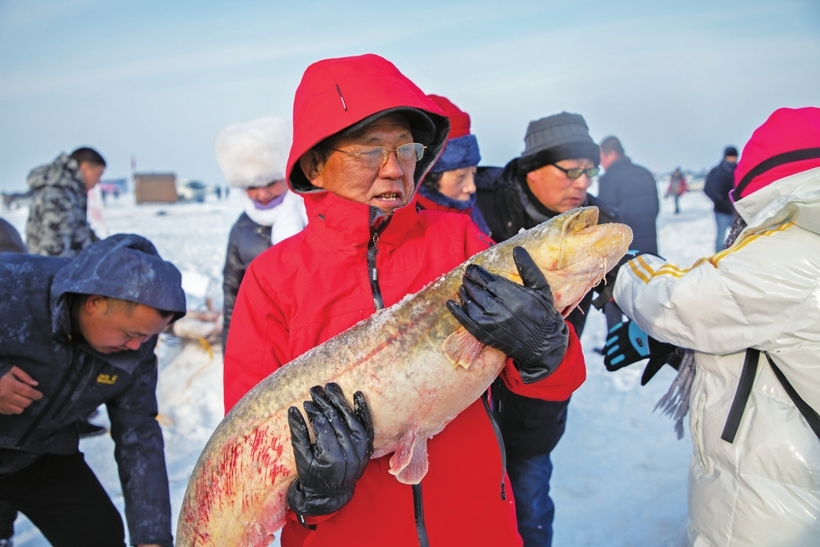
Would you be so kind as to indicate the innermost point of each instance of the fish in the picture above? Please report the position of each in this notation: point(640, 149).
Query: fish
point(416, 365)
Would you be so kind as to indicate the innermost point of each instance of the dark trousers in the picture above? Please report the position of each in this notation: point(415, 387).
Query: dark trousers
point(63, 498)
point(613, 315)
point(534, 508)
point(8, 514)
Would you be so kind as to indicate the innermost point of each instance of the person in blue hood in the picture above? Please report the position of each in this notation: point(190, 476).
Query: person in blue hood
point(76, 333)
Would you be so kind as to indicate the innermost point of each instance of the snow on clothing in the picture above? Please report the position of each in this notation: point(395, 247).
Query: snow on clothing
point(316, 284)
point(40, 338)
point(762, 293)
point(57, 220)
point(633, 191)
point(719, 182)
point(434, 200)
point(253, 232)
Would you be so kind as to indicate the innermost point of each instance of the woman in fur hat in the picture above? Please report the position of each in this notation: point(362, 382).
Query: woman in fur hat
point(252, 156)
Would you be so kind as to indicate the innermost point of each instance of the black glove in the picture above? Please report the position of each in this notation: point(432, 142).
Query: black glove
point(605, 288)
point(628, 343)
point(519, 320)
point(328, 470)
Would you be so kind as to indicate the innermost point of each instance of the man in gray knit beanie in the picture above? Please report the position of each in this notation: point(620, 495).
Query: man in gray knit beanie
point(555, 138)
point(550, 177)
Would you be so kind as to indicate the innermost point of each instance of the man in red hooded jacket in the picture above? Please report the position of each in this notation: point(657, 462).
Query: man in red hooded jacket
point(364, 136)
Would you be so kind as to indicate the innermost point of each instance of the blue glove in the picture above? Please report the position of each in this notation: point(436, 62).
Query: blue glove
point(628, 343)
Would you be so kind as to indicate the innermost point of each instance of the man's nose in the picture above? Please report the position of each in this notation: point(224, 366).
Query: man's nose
point(583, 181)
point(391, 168)
point(133, 343)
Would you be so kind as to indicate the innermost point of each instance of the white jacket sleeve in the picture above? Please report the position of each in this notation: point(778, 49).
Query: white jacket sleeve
point(745, 296)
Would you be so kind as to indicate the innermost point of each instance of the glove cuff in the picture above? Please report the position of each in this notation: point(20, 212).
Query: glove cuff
point(306, 501)
point(538, 359)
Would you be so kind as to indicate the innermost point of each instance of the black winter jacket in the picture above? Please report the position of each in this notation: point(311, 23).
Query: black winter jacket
point(633, 191)
point(37, 334)
point(719, 182)
point(246, 241)
point(528, 426)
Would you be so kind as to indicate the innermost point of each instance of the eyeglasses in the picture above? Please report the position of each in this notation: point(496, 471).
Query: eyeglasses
point(576, 172)
point(374, 157)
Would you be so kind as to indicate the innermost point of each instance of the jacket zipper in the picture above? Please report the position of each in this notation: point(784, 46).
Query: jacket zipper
point(372, 271)
point(378, 301)
point(63, 381)
point(83, 373)
point(500, 440)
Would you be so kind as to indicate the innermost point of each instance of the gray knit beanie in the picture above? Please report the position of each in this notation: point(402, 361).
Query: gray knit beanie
point(554, 138)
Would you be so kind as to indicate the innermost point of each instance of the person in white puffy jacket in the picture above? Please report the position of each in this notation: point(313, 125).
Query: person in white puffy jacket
point(763, 292)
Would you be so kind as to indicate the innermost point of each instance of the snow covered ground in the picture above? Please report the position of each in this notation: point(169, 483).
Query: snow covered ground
point(620, 472)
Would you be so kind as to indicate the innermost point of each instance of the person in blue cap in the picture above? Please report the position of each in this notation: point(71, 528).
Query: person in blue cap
point(450, 184)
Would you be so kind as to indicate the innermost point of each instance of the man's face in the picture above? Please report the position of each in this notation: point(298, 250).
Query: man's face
point(555, 190)
point(387, 187)
point(608, 158)
point(110, 325)
point(91, 174)
point(266, 194)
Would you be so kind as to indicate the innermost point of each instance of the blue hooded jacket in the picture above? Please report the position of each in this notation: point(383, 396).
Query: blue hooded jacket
point(37, 335)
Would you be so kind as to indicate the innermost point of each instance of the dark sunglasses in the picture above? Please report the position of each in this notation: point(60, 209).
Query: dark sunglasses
point(576, 172)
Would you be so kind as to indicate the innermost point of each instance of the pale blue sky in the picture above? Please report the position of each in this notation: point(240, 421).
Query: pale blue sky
point(676, 81)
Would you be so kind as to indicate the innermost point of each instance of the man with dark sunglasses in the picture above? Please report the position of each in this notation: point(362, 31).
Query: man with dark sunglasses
point(550, 177)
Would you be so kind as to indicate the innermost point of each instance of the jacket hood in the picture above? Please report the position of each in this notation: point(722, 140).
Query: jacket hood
point(63, 171)
point(124, 266)
point(349, 92)
point(795, 198)
point(787, 143)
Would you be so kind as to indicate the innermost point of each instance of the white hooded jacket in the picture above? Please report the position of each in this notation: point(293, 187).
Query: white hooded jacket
point(764, 293)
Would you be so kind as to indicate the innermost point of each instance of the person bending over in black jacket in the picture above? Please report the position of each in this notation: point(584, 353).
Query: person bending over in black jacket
point(78, 333)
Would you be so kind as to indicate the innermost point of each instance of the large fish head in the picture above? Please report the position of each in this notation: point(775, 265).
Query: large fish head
point(575, 253)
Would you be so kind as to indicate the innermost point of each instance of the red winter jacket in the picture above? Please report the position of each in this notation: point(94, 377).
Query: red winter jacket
point(315, 285)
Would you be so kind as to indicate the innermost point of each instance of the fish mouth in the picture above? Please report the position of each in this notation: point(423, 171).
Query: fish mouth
point(577, 221)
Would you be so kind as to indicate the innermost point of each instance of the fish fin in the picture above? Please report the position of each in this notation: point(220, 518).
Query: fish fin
point(409, 463)
point(404, 451)
point(461, 348)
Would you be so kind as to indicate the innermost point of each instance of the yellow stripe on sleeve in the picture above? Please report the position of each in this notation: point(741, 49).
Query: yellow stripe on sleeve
point(675, 271)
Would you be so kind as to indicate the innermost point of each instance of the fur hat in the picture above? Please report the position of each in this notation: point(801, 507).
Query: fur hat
point(787, 143)
point(554, 138)
point(253, 153)
point(461, 149)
